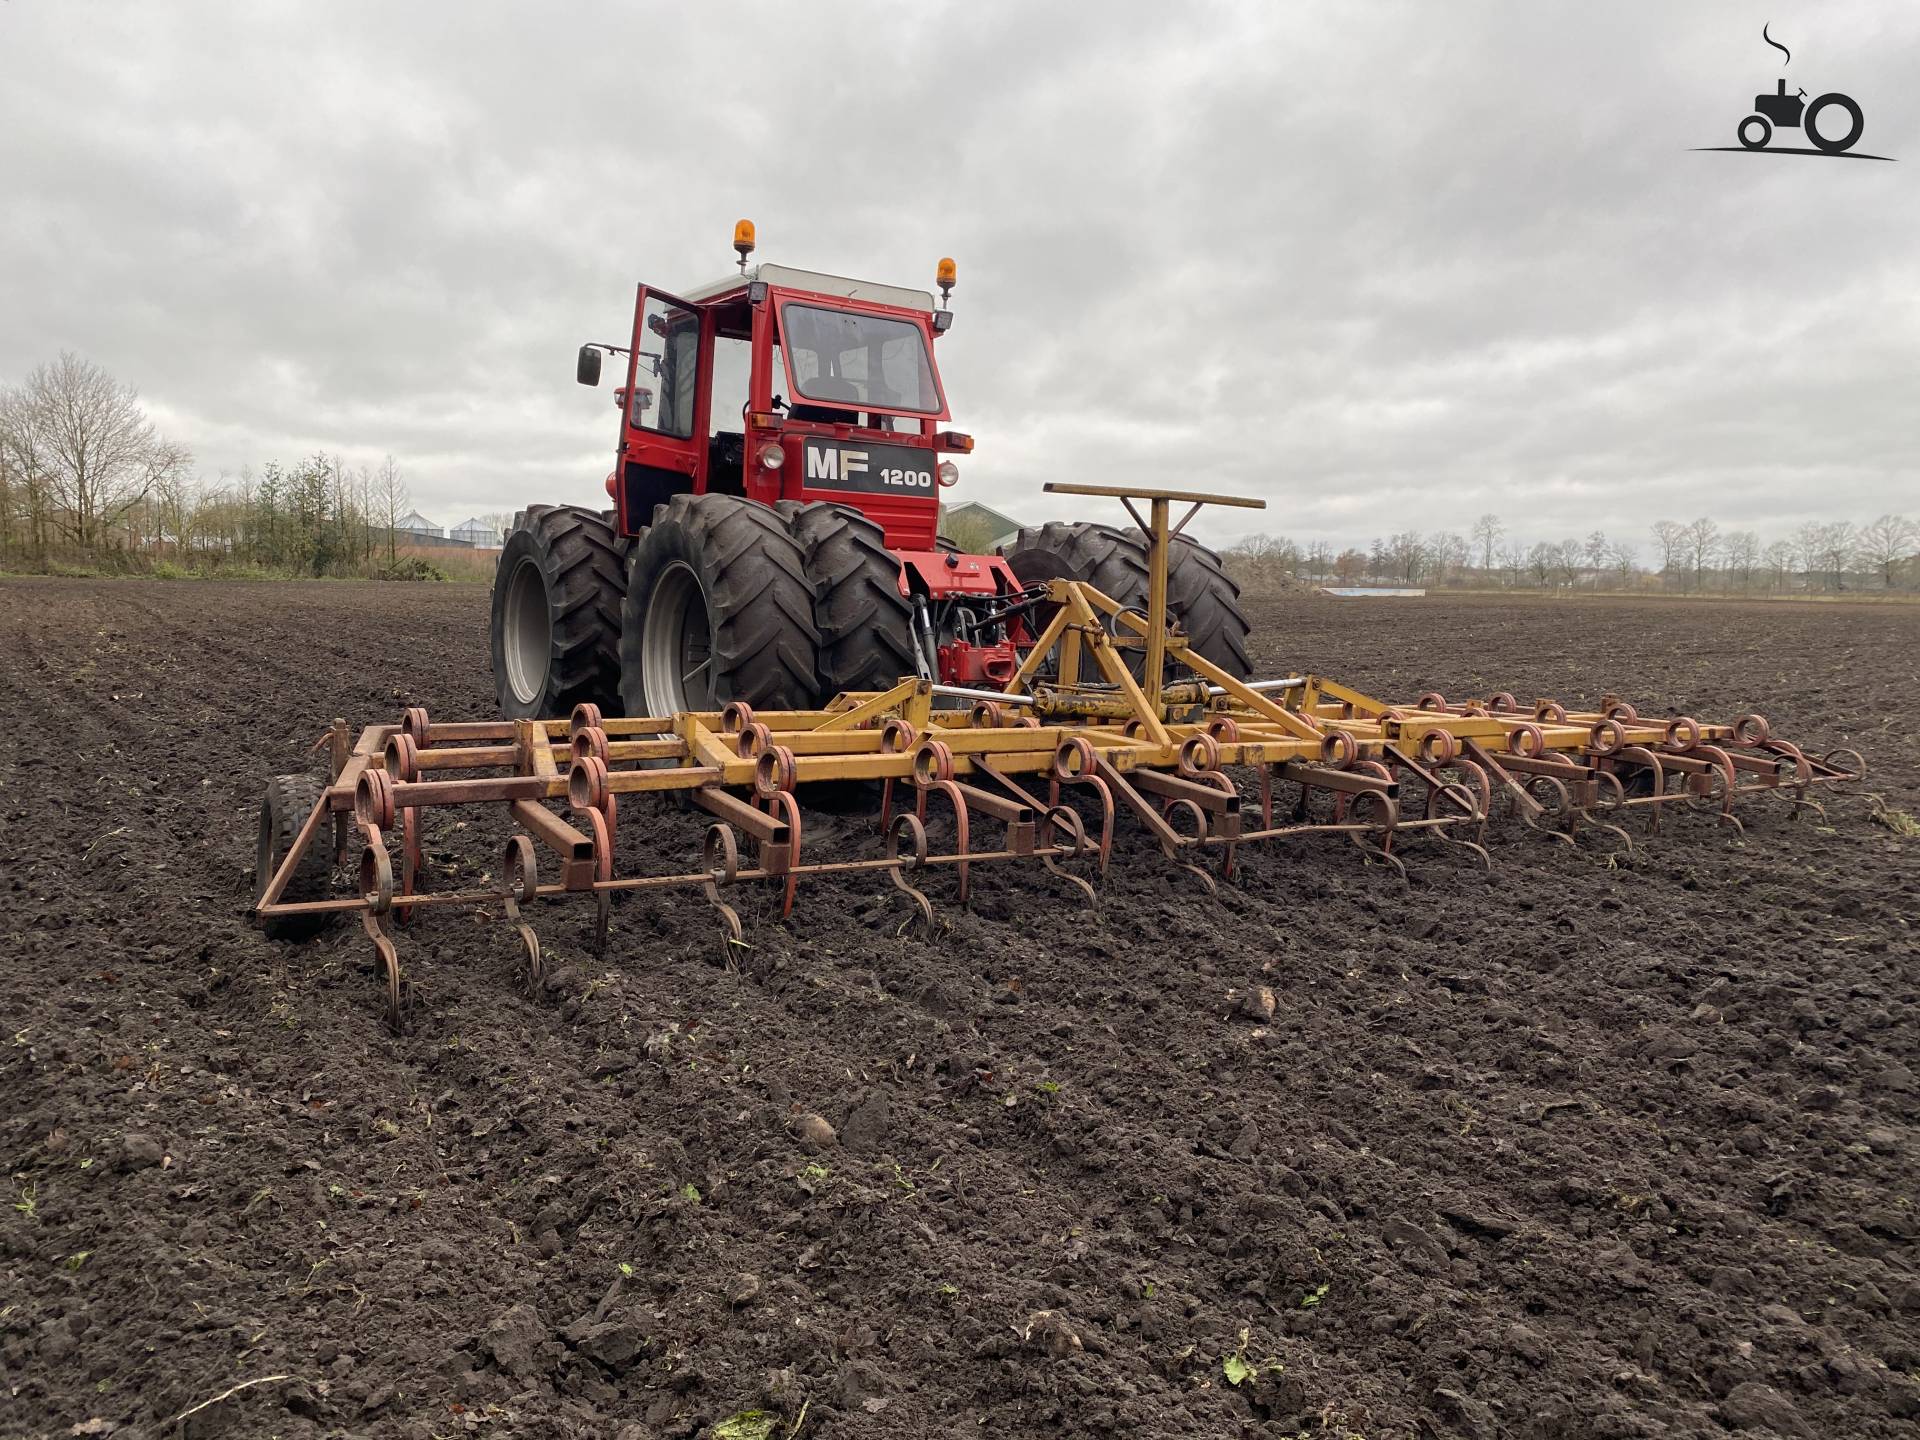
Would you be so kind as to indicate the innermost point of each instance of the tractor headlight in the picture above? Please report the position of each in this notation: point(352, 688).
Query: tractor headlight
point(772, 457)
point(949, 473)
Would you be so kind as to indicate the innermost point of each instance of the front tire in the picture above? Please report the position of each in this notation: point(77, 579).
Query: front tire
point(718, 608)
point(1759, 137)
point(556, 613)
point(864, 620)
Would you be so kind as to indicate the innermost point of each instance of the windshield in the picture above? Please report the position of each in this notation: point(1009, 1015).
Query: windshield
point(862, 362)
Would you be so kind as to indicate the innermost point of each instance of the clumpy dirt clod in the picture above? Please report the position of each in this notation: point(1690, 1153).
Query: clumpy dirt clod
point(1588, 1146)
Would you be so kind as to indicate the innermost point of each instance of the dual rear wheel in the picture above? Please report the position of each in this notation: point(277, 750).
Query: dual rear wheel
point(719, 599)
point(782, 607)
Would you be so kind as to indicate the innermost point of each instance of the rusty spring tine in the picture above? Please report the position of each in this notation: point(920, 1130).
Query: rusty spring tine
point(399, 996)
point(1477, 772)
point(1231, 824)
point(961, 826)
point(1525, 805)
point(1067, 816)
point(720, 858)
point(377, 893)
point(907, 823)
point(1051, 814)
point(602, 840)
point(1389, 821)
point(1170, 839)
point(1729, 783)
point(1619, 799)
point(1182, 806)
point(790, 811)
point(1438, 789)
point(520, 881)
point(1061, 774)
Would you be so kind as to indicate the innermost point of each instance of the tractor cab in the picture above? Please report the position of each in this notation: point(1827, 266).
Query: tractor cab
point(783, 384)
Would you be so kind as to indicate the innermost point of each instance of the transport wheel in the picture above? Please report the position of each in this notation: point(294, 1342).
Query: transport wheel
point(1200, 593)
point(1811, 123)
point(718, 607)
point(1755, 131)
point(284, 808)
point(864, 621)
point(556, 613)
point(1106, 557)
point(1207, 602)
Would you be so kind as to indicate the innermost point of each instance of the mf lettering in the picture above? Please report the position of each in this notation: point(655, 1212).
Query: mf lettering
point(833, 465)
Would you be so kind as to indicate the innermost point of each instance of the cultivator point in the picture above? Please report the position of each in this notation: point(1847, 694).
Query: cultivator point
point(1040, 771)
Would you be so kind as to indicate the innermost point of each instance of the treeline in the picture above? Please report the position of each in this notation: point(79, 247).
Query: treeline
point(1697, 557)
point(87, 480)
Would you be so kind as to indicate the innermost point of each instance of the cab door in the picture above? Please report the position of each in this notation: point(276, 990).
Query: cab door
point(663, 448)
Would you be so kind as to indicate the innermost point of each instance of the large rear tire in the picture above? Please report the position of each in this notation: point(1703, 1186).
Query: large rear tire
point(1110, 559)
point(718, 608)
point(864, 621)
point(1207, 603)
point(556, 613)
point(1200, 594)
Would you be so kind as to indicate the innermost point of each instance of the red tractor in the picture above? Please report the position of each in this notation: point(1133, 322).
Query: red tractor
point(783, 445)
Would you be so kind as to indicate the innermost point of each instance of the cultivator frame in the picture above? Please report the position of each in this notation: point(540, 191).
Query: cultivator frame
point(1325, 759)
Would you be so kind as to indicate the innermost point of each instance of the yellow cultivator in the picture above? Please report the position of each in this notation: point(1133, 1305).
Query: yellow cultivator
point(1110, 717)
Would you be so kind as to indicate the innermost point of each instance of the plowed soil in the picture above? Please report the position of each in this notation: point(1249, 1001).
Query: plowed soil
point(1587, 1145)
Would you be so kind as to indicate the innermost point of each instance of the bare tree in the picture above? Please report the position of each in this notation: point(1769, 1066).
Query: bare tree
point(1887, 544)
point(1487, 530)
point(1597, 550)
point(390, 493)
point(1741, 550)
point(1543, 559)
point(1702, 543)
point(23, 451)
point(1779, 560)
point(176, 504)
point(1671, 537)
point(1319, 560)
point(1407, 554)
point(1621, 557)
point(1809, 547)
point(1839, 542)
point(102, 452)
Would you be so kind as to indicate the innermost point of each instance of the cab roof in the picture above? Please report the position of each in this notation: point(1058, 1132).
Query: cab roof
point(817, 283)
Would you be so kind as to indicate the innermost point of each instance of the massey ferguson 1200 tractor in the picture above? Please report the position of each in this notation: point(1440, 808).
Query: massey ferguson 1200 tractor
point(768, 613)
point(783, 446)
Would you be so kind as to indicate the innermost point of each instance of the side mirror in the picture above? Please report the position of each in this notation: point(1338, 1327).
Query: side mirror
point(587, 368)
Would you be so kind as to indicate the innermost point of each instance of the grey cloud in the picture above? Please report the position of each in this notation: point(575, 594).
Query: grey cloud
point(1385, 265)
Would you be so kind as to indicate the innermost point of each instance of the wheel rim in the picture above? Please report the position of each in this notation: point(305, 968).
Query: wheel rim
point(676, 652)
point(526, 632)
point(1838, 144)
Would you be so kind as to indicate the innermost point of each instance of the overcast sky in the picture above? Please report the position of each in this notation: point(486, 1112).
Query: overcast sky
point(1386, 265)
